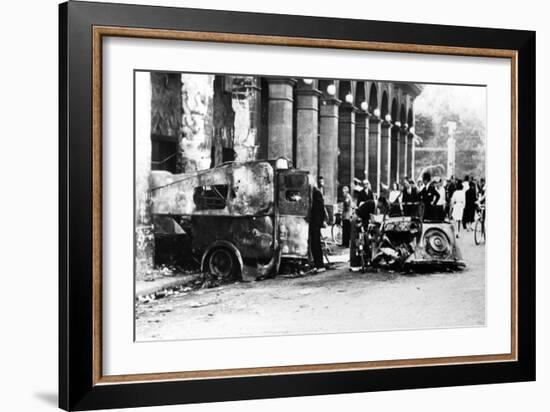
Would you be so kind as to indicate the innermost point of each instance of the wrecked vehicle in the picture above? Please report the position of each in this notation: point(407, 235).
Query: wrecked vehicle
point(239, 220)
point(406, 243)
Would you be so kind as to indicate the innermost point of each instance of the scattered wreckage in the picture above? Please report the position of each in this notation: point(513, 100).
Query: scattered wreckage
point(404, 243)
point(238, 219)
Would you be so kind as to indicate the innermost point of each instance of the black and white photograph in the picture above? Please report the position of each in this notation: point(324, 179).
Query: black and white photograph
point(271, 206)
point(275, 206)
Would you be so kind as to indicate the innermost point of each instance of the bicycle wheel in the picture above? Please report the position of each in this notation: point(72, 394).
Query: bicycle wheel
point(336, 232)
point(479, 234)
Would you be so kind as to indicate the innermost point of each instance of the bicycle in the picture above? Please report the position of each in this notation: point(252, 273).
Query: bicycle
point(479, 228)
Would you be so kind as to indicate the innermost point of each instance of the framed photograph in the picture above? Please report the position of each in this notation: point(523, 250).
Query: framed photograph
point(256, 206)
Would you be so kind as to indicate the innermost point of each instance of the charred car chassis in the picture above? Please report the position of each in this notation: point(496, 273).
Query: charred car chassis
point(237, 219)
point(405, 243)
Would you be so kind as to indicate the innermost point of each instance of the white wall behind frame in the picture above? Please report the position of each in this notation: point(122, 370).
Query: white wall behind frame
point(29, 299)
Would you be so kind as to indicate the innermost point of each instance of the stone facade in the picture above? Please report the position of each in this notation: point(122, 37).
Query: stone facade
point(340, 130)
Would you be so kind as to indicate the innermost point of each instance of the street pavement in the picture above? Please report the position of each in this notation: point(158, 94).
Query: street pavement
point(331, 302)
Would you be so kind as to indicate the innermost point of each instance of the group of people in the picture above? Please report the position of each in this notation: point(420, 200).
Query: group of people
point(431, 198)
point(462, 197)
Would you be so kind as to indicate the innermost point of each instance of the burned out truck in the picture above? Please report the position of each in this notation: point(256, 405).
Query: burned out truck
point(238, 219)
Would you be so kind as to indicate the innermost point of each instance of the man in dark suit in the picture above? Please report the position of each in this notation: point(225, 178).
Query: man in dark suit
point(316, 222)
point(429, 196)
point(409, 198)
point(365, 194)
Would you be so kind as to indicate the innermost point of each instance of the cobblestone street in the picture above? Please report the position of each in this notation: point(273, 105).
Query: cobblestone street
point(335, 301)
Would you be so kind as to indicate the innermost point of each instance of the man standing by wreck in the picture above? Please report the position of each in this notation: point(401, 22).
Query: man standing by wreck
point(365, 194)
point(316, 222)
point(429, 197)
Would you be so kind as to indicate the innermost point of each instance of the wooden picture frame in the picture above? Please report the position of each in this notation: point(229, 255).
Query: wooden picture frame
point(82, 385)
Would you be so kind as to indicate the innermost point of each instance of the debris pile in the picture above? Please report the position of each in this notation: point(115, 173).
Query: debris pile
point(200, 281)
point(165, 271)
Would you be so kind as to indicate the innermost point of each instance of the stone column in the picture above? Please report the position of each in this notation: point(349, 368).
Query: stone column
point(403, 153)
point(307, 129)
point(361, 145)
point(385, 152)
point(410, 155)
point(280, 118)
point(346, 144)
point(374, 153)
point(395, 149)
point(328, 147)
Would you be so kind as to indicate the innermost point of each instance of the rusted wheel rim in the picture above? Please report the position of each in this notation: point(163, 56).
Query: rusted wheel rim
point(221, 263)
point(437, 243)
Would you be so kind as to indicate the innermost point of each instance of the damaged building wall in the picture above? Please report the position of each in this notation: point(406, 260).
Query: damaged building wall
point(223, 122)
point(199, 121)
point(193, 122)
point(246, 105)
point(195, 141)
point(237, 119)
point(165, 120)
point(165, 104)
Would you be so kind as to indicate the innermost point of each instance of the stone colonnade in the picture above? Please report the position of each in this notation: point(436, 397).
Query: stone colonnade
point(343, 130)
point(337, 129)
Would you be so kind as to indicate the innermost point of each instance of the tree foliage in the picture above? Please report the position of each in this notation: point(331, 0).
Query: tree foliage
point(431, 121)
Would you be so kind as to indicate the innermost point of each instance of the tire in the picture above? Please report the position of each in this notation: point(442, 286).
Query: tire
point(222, 263)
point(479, 235)
point(437, 244)
point(336, 232)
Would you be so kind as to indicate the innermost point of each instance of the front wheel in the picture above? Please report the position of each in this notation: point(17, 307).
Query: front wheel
point(222, 263)
point(479, 232)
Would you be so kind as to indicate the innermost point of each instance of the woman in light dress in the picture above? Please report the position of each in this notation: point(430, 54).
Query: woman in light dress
point(458, 201)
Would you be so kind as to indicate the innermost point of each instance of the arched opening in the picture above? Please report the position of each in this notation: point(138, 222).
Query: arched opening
point(373, 98)
point(328, 88)
point(361, 130)
point(359, 94)
point(385, 142)
point(307, 83)
point(410, 145)
point(385, 106)
point(374, 137)
point(394, 106)
point(345, 90)
point(346, 136)
point(394, 156)
point(402, 117)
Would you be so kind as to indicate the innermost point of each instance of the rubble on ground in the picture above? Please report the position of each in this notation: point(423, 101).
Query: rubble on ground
point(200, 281)
point(165, 271)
